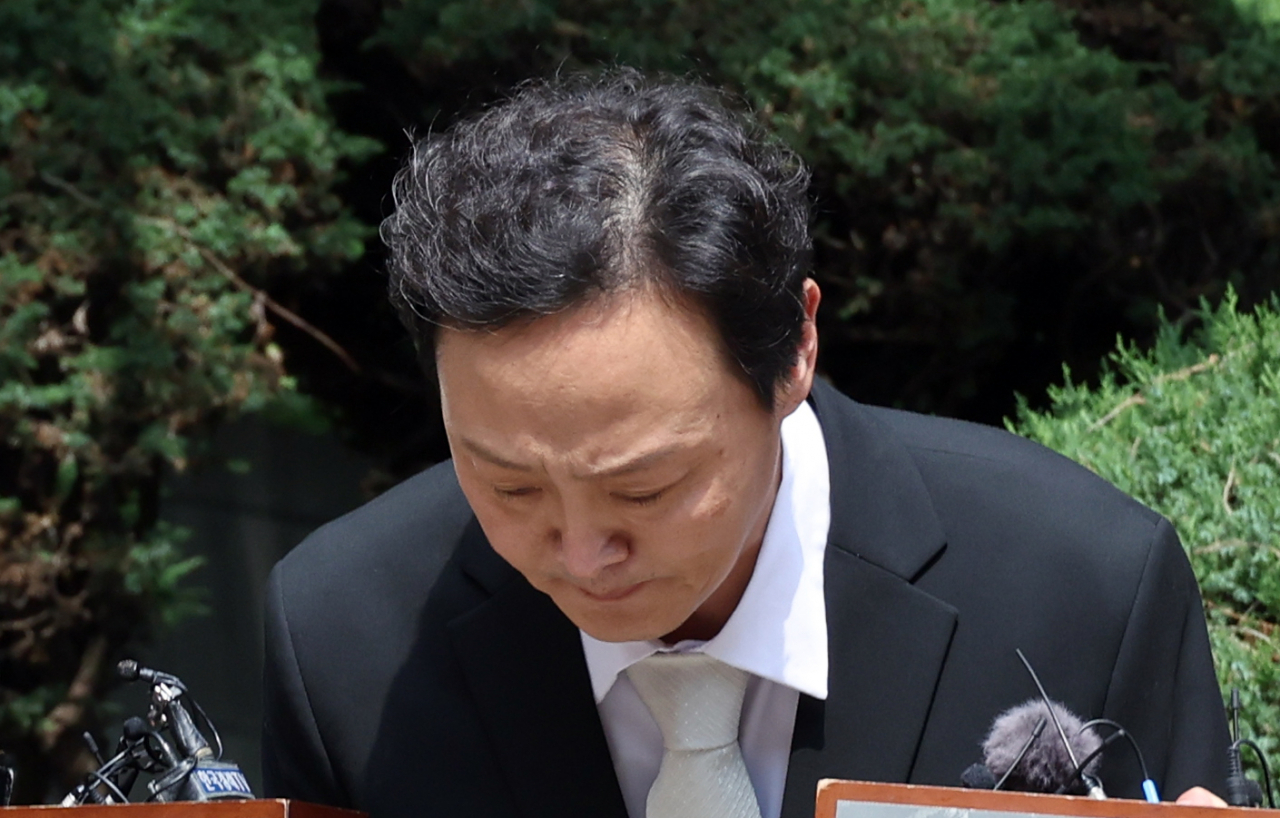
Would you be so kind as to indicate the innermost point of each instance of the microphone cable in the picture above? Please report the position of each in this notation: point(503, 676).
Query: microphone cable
point(86, 791)
point(208, 724)
point(1149, 790)
point(1266, 770)
point(99, 777)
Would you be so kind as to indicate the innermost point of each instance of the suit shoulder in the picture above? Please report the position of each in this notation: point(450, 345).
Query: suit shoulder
point(347, 611)
point(1001, 498)
point(1021, 467)
point(941, 435)
point(390, 548)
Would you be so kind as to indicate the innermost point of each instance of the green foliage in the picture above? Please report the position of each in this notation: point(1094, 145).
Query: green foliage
point(988, 182)
point(1192, 429)
point(1265, 11)
point(161, 161)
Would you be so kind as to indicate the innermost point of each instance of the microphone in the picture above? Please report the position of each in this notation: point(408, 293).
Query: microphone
point(188, 769)
point(168, 692)
point(133, 730)
point(1017, 753)
point(6, 783)
point(131, 671)
point(133, 733)
point(1243, 791)
point(1092, 785)
point(193, 770)
point(191, 741)
point(1014, 751)
point(978, 776)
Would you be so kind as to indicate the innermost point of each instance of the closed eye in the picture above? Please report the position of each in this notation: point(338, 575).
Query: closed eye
point(648, 498)
point(514, 493)
point(643, 499)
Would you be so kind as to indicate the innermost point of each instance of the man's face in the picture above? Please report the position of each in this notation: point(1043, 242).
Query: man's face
point(614, 459)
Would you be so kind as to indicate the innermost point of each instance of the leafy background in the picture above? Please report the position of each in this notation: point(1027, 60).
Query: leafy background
point(160, 163)
point(189, 189)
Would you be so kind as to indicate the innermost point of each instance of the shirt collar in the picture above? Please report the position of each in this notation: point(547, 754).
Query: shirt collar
point(779, 629)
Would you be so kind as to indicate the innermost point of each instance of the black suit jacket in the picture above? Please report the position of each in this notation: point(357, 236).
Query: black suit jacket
point(410, 671)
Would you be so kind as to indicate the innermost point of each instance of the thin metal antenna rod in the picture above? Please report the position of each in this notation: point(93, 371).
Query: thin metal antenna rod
point(1049, 704)
point(1035, 734)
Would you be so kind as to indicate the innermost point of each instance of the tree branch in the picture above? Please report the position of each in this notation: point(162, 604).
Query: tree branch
point(71, 711)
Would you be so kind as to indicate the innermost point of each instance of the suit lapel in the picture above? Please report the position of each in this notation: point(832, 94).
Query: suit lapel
point(523, 659)
point(887, 640)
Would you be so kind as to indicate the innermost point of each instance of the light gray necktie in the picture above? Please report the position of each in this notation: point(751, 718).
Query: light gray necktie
point(697, 702)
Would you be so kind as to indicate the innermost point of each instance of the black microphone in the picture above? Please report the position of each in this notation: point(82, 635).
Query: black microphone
point(6, 783)
point(978, 776)
point(132, 737)
point(1017, 753)
point(1242, 791)
point(191, 741)
point(131, 671)
point(134, 729)
point(1092, 785)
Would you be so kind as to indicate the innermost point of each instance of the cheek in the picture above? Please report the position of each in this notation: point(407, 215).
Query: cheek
point(721, 508)
point(728, 517)
point(714, 530)
point(716, 501)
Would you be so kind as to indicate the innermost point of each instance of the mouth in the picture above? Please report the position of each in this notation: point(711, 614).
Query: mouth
point(613, 595)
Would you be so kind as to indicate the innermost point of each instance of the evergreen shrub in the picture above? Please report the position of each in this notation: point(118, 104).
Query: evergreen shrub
point(1191, 427)
point(159, 162)
point(997, 192)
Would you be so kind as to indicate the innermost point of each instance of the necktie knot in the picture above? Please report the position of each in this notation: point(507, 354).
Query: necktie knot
point(695, 699)
point(697, 702)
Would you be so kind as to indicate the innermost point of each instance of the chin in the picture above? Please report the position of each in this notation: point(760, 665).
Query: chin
point(623, 634)
point(622, 626)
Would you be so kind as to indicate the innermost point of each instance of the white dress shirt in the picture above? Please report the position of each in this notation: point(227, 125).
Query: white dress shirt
point(778, 634)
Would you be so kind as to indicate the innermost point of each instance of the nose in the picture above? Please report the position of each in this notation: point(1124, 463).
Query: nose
point(587, 546)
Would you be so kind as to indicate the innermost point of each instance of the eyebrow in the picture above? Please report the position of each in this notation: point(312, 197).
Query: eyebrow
point(631, 466)
point(493, 457)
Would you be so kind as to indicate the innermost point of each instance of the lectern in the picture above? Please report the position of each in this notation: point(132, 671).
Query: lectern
point(273, 808)
point(856, 799)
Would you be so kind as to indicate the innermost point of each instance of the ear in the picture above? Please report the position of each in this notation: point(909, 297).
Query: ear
point(796, 388)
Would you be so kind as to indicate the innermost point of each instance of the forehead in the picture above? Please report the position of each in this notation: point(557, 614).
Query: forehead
point(625, 361)
point(617, 336)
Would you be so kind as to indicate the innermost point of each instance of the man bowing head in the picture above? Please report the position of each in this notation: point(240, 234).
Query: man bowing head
point(664, 574)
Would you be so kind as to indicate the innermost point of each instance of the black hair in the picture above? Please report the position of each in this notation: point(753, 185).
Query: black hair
point(589, 185)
